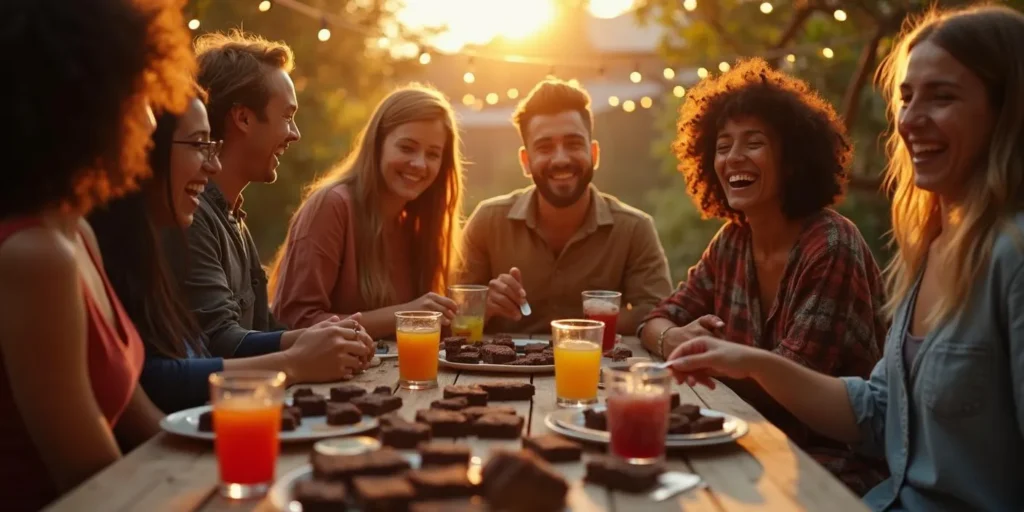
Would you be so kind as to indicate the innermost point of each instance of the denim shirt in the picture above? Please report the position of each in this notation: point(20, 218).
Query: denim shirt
point(950, 426)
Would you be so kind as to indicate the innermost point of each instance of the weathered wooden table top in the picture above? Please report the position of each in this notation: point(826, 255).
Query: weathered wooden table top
point(762, 471)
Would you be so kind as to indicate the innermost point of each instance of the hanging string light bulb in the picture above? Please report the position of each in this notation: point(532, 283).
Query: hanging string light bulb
point(469, 77)
point(265, 5)
point(325, 31)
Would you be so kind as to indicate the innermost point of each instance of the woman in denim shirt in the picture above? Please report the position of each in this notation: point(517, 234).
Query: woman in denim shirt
point(946, 404)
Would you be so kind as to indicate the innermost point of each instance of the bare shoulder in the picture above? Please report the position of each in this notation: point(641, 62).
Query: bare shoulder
point(36, 251)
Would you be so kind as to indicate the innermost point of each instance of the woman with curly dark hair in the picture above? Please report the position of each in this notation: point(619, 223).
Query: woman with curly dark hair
point(786, 273)
point(89, 74)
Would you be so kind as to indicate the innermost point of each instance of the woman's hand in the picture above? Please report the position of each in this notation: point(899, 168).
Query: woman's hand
point(438, 303)
point(704, 357)
point(327, 352)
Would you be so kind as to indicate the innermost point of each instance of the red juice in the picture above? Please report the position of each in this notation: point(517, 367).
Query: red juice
point(638, 424)
point(246, 443)
point(601, 311)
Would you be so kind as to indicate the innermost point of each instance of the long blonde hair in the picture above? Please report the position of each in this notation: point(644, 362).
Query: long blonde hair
point(987, 41)
point(432, 220)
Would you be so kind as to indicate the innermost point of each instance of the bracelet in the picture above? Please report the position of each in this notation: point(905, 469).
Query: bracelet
point(661, 341)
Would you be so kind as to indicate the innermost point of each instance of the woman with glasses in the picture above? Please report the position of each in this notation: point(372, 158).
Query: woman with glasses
point(177, 365)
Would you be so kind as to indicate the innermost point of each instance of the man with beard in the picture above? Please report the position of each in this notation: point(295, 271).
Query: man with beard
point(548, 243)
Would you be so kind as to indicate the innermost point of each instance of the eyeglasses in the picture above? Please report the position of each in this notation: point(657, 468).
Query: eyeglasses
point(209, 148)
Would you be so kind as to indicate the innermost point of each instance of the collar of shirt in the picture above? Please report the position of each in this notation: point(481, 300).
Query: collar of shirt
point(233, 212)
point(599, 214)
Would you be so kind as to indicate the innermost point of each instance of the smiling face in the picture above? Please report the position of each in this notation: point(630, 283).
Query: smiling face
point(559, 156)
point(411, 157)
point(945, 120)
point(190, 170)
point(747, 162)
point(267, 138)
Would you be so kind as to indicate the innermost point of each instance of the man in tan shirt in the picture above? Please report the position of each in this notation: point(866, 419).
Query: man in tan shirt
point(548, 243)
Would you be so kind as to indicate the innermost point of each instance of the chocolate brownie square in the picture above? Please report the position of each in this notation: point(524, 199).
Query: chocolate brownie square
point(453, 345)
point(404, 436)
point(678, 424)
point(452, 404)
point(375, 405)
point(522, 482)
point(206, 422)
point(462, 505)
point(619, 353)
point(295, 412)
point(443, 454)
point(382, 390)
point(346, 392)
point(475, 394)
point(320, 496)
point(343, 414)
point(553, 448)
point(342, 468)
point(502, 342)
point(522, 361)
point(476, 412)
point(498, 426)
point(614, 473)
point(497, 354)
point(689, 410)
point(546, 358)
point(288, 422)
point(706, 424)
point(302, 392)
point(311, 405)
point(441, 482)
point(444, 423)
point(597, 420)
point(383, 493)
point(466, 356)
point(391, 418)
point(534, 348)
point(508, 390)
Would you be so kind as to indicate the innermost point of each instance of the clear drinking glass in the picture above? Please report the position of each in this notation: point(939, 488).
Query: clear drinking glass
point(577, 361)
point(472, 302)
point(419, 335)
point(638, 407)
point(246, 423)
point(603, 306)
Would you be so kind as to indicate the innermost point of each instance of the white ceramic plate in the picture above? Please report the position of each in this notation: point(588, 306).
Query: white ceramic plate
point(732, 429)
point(282, 499)
point(392, 351)
point(498, 368)
point(186, 423)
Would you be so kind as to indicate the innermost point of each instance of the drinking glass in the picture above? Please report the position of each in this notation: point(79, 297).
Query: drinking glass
point(419, 335)
point(577, 361)
point(472, 302)
point(246, 423)
point(603, 306)
point(638, 408)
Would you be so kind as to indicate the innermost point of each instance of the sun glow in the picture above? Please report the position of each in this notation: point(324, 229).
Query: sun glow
point(475, 23)
point(610, 8)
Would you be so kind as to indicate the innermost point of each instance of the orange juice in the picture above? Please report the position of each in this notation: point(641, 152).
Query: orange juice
point(577, 370)
point(417, 354)
point(246, 440)
point(469, 327)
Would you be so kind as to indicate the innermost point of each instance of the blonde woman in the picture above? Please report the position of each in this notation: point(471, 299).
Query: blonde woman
point(946, 404)
point(375, 235)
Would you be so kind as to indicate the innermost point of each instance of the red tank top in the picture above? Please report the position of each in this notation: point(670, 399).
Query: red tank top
point(115, 358)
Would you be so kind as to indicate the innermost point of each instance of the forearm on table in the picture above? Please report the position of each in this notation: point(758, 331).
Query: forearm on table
point(380, 323)
point(278, 362)
point(629, 319)
point(818, 400)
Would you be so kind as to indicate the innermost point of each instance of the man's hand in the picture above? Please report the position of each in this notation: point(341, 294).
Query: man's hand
point(506, 295)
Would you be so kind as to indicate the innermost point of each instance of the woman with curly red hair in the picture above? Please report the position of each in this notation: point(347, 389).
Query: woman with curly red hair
point(786, 273)
point(89, 75)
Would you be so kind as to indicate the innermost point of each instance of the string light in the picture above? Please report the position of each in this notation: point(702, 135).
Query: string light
point(669, 73)
point(492, 98)
point(265, 5)
point(678, 91)
point(702, 73)
point(613, 101)
point(635, 77)
point(766, 7)
point(646, 102)
point(690, 5)
point(325, 32)
point(791, 58)
point(827, 52)
point(424, 58)
point(724, 66)
point(469, 77)
point(468, 100)
point(193, 24)
point(513, 93)
point(839, 15)
point(628, 106)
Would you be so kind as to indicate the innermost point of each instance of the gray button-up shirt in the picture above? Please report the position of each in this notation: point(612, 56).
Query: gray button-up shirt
point(950, 425)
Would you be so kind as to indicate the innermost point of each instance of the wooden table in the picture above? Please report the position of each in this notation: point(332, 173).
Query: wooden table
point(762, 471)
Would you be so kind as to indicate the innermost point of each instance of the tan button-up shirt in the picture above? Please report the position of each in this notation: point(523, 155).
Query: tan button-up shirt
point(617, 248)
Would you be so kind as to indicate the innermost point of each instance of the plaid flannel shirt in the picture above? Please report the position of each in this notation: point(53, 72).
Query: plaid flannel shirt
point(827, 316)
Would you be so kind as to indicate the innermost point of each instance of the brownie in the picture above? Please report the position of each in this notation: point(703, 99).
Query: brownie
point(452, 404)
point(320, 496)
point(529, 360)
point(443, 454)
point(689, 410)
point(448, 506)
point(508, 390)
point(311, 405)
point(546, 358)
point(498, 426)
point(522, 482)
point(706, 424)
point(502, 342)
point(302, 392)
point(466, 356)
point(405, 435)
point(295, 412)
point(375, 405)
point(206, 421)
point(475, 394)
point(534, 348)
point(288, 422)
point(453, 345)
point(678, 424)
point(619, 353)
point(343, 468)
point(391, 418)
point(382, 390)
point(597, 420)
point(553, 448)
point(497, 354)
point(383, 493)
point(475, 412)
point(617, 474)
point(441, 482)
point(673, 400)
point(346, 392)
point(444, 423)
point(343, 414)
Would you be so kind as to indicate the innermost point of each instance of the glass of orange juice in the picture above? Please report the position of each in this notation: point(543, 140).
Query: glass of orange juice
point(577, 361)
point(419, 337)
point(472, 302)
point(246, 423)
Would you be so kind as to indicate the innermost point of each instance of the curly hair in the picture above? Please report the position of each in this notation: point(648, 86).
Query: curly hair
point(815, 149)
point(85, 72)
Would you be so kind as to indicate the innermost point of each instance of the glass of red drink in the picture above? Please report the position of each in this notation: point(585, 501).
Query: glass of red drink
point(246, 423)
point(638, 407)
point(603, 306)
